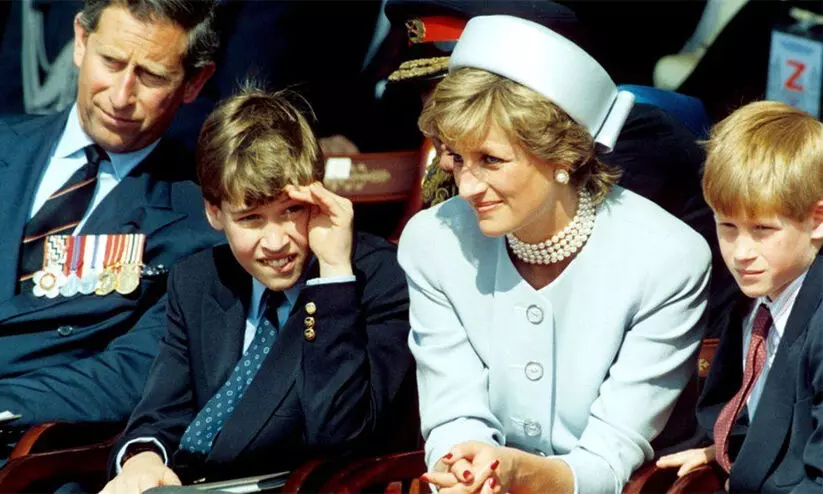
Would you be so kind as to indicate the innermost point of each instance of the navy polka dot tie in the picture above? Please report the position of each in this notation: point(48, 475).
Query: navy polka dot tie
point(202, 431)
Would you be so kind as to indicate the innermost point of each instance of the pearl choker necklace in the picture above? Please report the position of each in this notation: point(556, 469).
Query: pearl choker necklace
point(563, 244)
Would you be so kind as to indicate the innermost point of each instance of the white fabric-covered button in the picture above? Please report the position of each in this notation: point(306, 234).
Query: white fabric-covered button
point(532, 428)
point(534, 371)
point(534, 314)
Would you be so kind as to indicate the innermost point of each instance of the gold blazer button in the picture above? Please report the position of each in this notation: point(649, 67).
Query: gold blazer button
point(311, 308)
point(309, 334)
point(309, 322)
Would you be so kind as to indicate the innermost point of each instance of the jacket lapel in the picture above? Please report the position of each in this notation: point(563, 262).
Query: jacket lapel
point(726, 372)
point(770, 427)
point(27, 148)
point(147, 198)
point(268, 390)
point(224, 319)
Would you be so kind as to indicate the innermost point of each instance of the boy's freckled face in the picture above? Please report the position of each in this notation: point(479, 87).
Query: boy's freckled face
point(270, 240)
point(765, 254)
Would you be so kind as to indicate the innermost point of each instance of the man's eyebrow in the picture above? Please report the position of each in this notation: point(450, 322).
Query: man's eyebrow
point(156, 69)
point(110, 51)
point(117, 54)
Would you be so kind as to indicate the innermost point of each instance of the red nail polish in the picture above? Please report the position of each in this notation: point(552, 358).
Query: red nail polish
point(424, 478)
point(492, 482)
point(495, 464)
point(466, 475)
point(448, 456)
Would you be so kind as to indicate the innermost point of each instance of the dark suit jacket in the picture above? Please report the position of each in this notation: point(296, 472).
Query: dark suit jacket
point(310, 397)
point(86, 358)
point(786, 429)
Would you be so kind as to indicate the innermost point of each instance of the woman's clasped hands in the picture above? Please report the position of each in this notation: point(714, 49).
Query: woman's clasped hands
point(473, 467)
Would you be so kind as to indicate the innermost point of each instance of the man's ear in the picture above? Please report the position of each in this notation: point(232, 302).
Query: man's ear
point(193, 84)
point(213, 214)
point(81, 36)
point(817, 221)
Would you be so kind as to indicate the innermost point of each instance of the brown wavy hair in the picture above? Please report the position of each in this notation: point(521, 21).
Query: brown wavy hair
point(252, 145)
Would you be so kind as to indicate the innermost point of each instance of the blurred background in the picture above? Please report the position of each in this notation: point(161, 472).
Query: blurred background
point(338, 54)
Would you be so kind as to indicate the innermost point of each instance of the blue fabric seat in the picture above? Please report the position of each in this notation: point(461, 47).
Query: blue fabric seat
point(687, 109)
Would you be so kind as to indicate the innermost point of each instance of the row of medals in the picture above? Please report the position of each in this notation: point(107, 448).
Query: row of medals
point(121, 277)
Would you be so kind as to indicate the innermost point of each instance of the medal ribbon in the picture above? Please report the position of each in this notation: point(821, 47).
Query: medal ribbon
point(110, 246)
point(70, 253)
point(100, 247)
point(141, 243)
point(118, 254)
point(89, 252)
point(54, 251)
point(79, 254)
point(130, 242)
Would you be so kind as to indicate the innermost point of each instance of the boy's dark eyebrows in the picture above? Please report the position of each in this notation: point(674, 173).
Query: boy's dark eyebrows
point(281, 199)
point(243, 210)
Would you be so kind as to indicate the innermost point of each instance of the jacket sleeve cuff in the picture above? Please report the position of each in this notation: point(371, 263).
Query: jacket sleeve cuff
point(591, 473)
point(331, 279)
point(446, 436)
point(119, 461)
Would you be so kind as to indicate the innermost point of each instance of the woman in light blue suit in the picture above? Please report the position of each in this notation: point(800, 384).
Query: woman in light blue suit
point(555, 317)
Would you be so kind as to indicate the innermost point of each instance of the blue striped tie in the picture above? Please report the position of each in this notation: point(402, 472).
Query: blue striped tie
point(60, 214)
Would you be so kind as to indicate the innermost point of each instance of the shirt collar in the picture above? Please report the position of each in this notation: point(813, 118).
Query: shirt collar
point(74, 139)
point(781, 306)
point(258, 289)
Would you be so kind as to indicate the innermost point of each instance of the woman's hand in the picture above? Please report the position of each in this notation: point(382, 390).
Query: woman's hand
point(474, 467)
point(687, 460)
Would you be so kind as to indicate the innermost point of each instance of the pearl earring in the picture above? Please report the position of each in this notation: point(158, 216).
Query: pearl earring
point(561, 176)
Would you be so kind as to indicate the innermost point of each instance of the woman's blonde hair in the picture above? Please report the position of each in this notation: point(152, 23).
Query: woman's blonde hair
point(466, 103)
point(765, 158)
point(252, 145)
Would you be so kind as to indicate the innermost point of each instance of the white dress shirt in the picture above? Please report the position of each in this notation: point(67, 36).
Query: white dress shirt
point(68, 157)
point(780, 308)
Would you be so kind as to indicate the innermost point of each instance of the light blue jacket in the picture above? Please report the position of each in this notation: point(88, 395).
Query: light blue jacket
point(588, 368)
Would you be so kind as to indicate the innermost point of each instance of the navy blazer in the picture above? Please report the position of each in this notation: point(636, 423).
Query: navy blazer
point(309, 398)
point(86, 358)
point(782, 449)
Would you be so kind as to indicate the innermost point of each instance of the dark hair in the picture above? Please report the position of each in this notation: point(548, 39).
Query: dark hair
point(195, 16)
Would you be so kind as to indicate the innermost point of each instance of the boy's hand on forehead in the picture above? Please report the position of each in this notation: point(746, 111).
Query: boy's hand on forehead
point(329, 228)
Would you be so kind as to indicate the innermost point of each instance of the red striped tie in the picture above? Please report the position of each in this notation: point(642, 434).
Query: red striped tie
point(60, 214)
point(755, 359)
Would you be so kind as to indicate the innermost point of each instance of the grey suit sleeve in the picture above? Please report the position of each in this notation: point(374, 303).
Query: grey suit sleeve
point(100, 388)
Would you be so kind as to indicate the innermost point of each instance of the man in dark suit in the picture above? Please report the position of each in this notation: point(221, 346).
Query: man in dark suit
point(97, 182)
point(286, 344)
point(760, 403)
